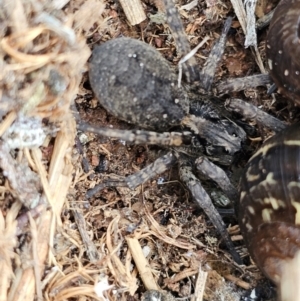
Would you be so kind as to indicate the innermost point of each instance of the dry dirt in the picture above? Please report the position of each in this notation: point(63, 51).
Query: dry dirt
point(120, 242)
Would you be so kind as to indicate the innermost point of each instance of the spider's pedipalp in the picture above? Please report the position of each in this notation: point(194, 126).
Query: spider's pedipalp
point(251, 112)
point(218, 175)
point(219, 136)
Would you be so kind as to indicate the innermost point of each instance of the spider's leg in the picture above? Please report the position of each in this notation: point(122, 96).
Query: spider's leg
point(218, 175)
point(217, 134)
point(182, 43)
point(187, 57)
point(140, 136)
point(204, 201)
point(175, 24)
point(183, 47)
point(159, 166)
point(105, 184)
point(242, 83)
point(249, 111)
point(209, 69)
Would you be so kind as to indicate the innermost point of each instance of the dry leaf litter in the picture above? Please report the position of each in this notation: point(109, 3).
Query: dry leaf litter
point(55, 244)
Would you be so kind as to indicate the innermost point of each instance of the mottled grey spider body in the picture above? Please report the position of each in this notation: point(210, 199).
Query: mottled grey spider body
point(136, 84)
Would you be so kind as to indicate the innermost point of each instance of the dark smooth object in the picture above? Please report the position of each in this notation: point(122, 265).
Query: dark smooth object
point(269, 208)
point(283, 49)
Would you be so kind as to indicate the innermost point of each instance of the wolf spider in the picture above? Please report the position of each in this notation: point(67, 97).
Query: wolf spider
point(135, 83)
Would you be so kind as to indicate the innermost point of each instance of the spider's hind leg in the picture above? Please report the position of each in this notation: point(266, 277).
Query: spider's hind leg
point(190, 67)
point(209, 69)
point(204, 201)
point(218, 175)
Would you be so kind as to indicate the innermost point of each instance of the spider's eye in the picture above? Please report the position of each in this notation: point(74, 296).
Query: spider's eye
point(226, 151)
point(219, 154)
point(232, 129)
point(197, 142)
point(216, 150)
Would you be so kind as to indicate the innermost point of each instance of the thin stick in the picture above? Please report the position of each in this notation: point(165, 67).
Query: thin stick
point(200, 284)
point(142, 264)
point(7, 122)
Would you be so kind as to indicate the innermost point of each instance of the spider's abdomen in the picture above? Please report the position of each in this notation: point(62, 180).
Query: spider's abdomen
point(283, 49)
point(135, 83)
point(269, 208)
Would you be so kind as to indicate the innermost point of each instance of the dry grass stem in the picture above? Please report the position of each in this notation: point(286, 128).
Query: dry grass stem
point(134, 11)
point(141, 263)
point(200, 285)
point(55, 243)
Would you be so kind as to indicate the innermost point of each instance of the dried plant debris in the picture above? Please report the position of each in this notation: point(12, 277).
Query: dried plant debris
point(43, 54)
point(40, 62)
point(123, 244)
point(8, 243)
point(25, 132)
point(152, 218)
point(25, 183)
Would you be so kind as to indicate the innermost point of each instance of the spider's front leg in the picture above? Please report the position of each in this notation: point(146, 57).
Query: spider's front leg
point(251, 112)
point(204, 201)
point(159, 166)
point(140, 136)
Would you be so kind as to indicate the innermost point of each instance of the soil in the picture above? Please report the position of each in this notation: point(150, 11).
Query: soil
point(101, 246)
